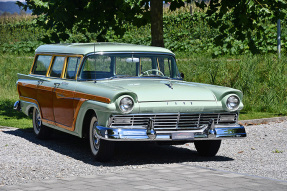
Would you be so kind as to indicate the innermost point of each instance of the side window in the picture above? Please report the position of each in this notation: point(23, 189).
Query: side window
point(41, 65)
point(96, 67)
point(57, 67)
point(72, 67)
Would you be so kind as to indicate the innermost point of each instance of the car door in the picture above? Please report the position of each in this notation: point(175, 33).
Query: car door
point(45, 98)
point(44, 90)
point(64, 89)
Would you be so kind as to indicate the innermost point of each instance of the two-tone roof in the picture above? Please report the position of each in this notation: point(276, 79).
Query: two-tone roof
point(86, 48)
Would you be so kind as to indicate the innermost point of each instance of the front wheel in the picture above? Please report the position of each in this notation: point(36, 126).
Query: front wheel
point(101, 149)
point(207, 148)
point(41, 131)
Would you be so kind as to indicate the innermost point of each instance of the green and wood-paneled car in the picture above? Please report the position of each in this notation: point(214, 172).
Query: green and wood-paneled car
point(111, 92)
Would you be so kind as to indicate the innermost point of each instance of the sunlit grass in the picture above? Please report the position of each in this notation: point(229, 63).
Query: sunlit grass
point(257, 115)
point(11, 65)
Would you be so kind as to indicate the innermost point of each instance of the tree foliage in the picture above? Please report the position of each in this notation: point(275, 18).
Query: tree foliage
point(62, 16)
point(243, 19)
point(97, 16)
point(241, 25)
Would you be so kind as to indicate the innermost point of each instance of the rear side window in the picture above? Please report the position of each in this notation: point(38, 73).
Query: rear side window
point(57, 66)
point(72, 67)
point(41, 65)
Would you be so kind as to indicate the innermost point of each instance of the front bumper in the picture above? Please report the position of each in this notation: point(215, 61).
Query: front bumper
point(207, 132)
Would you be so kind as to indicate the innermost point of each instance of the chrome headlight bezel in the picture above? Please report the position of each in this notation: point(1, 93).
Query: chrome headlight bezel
point(126, 104)
point(232, 102)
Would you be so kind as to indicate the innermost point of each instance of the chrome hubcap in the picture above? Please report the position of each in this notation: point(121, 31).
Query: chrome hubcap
point(38, 120)
point(96, 139)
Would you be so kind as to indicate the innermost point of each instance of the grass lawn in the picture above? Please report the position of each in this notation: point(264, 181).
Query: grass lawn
point(12, 118)
point(257, 115)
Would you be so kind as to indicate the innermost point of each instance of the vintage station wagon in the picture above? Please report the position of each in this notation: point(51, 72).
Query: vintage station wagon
point(111, 92)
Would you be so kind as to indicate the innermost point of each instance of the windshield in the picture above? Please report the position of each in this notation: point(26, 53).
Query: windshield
point(122, 65)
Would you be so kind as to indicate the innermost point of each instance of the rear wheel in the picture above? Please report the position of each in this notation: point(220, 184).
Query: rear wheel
point(101, 149)
point(207, 148)
point(41, 131)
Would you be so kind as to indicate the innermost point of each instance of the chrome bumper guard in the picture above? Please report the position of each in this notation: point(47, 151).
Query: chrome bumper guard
point(206, 132)
point(17, 106)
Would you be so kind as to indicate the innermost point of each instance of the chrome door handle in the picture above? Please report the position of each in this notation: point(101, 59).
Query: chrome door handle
point(57, 85)
point(40, 82)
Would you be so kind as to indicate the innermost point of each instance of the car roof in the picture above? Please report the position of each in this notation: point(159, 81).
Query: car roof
point(86, 48)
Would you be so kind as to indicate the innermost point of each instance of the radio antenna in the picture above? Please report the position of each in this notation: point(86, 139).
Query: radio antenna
point(94, 54)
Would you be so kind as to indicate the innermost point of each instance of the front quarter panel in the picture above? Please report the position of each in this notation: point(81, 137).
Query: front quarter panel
point(102, 110)
point(222, 93)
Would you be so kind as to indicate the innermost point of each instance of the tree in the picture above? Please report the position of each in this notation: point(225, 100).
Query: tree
point(156, 14)
point(156, 9)
point(84, 16)
point(244, 20)
point(98, 16)
point(241, 19)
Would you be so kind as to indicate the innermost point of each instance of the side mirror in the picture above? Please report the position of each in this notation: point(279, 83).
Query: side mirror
point(132, 60)
point(182, 75)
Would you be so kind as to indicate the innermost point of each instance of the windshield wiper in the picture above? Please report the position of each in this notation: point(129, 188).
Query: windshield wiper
point(120, 76)
point(157, 76)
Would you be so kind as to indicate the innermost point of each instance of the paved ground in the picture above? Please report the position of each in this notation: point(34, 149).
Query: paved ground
point(165, 177)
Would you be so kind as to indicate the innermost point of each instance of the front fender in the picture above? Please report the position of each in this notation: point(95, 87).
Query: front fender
point(102, 110)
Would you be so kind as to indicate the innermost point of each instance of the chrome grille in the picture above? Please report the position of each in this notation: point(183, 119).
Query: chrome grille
point(172, 121)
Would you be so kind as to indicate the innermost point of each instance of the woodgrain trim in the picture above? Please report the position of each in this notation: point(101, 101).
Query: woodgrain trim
point(74, 121)
point(27, 99)
point(58, 125)
point(45, 88)
point(77, 112)
point(81, 95)
point(69, 93)
point(27, 85)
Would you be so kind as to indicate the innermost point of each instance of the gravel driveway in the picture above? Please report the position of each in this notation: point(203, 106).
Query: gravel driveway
point(23, 158)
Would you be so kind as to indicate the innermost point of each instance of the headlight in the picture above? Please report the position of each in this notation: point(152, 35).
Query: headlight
point(232, 102)
point(126, 104)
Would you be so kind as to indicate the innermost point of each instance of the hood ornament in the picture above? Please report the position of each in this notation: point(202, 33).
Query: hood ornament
point(169, 85)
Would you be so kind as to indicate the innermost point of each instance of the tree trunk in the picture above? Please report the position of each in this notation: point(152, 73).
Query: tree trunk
point(156, 23)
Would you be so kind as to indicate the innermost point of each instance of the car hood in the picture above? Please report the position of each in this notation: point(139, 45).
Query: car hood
point(154, 90)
